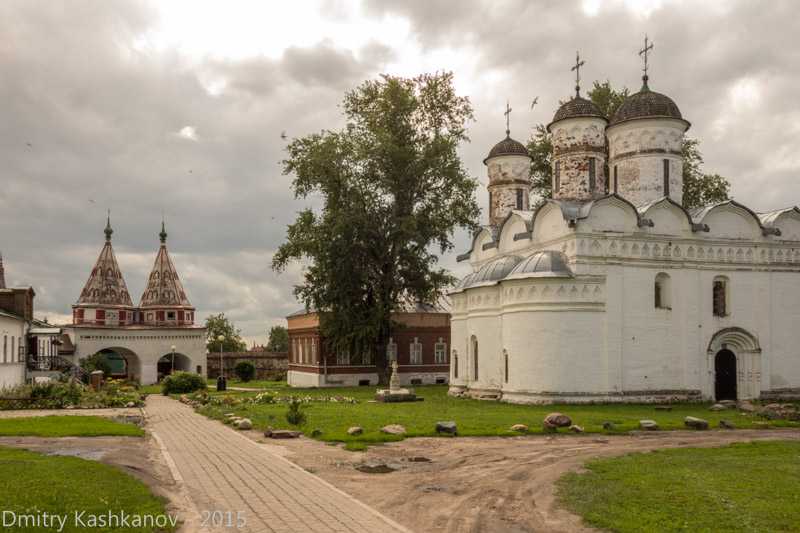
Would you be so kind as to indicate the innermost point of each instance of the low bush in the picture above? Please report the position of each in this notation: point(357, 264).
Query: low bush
point(182, 382)
point(245, 370)
point(62, 394)
point(294, 414)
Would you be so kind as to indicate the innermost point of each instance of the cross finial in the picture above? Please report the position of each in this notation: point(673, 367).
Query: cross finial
point(643, 52)
point(108, 231)
point(163, 234)
point(577, 69)
point(507, 113)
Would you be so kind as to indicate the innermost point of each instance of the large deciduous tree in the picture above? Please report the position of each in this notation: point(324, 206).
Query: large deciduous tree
point(217, 325)
point(699, 189)
point(392, 191)
point(278, 339)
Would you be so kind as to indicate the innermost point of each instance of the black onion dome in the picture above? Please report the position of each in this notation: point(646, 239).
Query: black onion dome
point(507, 146)
point(576, 107)
point(647, 104)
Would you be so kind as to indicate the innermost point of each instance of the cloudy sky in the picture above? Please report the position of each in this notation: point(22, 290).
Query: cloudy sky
point(178, 107)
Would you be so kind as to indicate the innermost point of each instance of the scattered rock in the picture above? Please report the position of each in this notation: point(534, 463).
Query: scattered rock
point(609, 426)
point(557, 420)
point(730, 404)
point(718, 407)
point(283, 434)
point(648, 425)
point(448, 427)
point(130, 404)
point(724, 424)
point(394, 429)
point(418, 459)
point(522, 428)
point(244, 423)
point(576, 428)
point(268, 432)
point(695, 423)
point(355, 430)
point(663, 408)
point(747, 407)
point(375, 468)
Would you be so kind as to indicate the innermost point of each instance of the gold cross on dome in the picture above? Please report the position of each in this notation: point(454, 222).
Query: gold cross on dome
point(577, 69)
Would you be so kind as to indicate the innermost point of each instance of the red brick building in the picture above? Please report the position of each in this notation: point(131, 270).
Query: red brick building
point(421, 346)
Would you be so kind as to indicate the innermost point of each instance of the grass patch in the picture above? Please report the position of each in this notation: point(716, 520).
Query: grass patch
point(752, 486)
point(355, 446)
point(150, 389)
point(66, 426)
point(31, 482)
point(256, 384)
point(474, 417)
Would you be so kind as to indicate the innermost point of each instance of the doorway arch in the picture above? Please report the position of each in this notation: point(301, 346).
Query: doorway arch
point(735, 354)
point(123, 363)
point(165, 365)
point(725, 386)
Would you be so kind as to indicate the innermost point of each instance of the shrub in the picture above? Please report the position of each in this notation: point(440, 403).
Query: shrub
point(182, 382)
point(294, 414)
point(245, 370)
point(94, 362)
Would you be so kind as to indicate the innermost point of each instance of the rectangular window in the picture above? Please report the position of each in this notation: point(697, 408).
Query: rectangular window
point(616, 179)
point(720, 305)
point(658, 295)
point(366, 358)
point(343, 358)
point(557, 178)
point(415, 351)
point(592, 176)
point(391, 351)
point(159, 316)
point(440, 353)
point(666, 177)
point(519, 198)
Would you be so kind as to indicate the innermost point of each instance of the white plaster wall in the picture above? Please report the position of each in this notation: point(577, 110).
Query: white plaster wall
point(549, 224)
point(309, 379)
point(789, 224)
point(730, 222)
point(149, 345)
point(576, 140)
point(513, 226)
point(12, 371)
point(637, 148)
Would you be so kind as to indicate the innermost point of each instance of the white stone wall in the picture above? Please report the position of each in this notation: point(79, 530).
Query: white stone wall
point(599, 336)
point(637, 149)
point(12, 370)
point(575, 141)
point(147, 345)
point(507, 174)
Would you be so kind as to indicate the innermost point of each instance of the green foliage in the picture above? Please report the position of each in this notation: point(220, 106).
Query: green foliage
point(62, 486)
point(245, 370)
point(750, 486)
point(61, 394)
point(393, 190)
point(294, 413)
point(182, 382)
point(278, 339)
point(217, 325)
point(699, 189)
point(95, 362)
point(66, 426)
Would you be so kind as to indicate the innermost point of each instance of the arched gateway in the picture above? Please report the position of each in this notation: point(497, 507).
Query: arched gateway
point(734, 362)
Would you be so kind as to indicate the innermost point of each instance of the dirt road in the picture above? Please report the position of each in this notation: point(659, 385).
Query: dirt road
point(484, 484)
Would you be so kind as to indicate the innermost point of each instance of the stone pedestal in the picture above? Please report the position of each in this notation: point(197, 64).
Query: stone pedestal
point(395, 393)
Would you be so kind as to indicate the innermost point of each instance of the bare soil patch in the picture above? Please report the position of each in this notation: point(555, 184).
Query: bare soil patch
point(483, 484)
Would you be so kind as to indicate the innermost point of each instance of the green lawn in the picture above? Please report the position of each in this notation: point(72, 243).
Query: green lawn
point(255, 384)
point(750, 487)
point(66, 426)
point(34, 483)
point(474, 417)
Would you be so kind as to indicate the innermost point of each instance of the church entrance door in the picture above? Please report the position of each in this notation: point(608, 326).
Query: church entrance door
point(725, 372)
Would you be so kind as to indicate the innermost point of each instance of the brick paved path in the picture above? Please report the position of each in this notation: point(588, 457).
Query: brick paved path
point(225, 471)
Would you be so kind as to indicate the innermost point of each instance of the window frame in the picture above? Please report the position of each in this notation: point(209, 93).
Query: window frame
point(440, 352)
point(415, 352)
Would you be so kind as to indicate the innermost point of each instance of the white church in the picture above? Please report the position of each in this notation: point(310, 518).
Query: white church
point(612, 291)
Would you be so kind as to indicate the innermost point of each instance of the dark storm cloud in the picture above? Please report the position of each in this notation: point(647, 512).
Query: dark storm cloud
point(91, 121)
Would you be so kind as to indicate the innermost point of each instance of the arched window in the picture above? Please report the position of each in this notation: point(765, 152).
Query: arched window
point(663, 292)
point(505, 366)
point(474, 358)
point(720, 294)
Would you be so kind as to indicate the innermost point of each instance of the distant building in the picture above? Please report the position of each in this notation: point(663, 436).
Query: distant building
point(144, 342)
point(16, 314)
point(420, 345)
